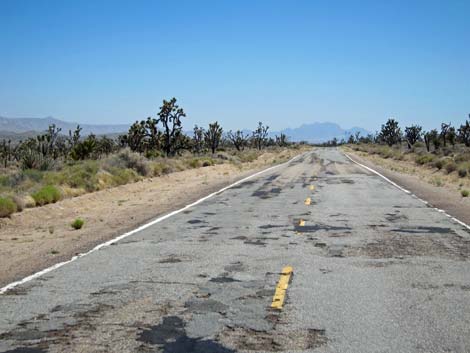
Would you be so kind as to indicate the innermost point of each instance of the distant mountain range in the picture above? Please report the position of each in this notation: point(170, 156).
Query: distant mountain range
point(320, 132)
point(25, 127)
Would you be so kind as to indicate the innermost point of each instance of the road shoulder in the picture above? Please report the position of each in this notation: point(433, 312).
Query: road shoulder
point(441, 197)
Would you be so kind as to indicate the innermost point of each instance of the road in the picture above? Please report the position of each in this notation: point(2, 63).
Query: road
point(374, 270)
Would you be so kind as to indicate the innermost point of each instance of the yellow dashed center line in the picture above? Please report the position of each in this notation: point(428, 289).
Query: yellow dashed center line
point(301, 223)
point(308, 201)
point(281, 288)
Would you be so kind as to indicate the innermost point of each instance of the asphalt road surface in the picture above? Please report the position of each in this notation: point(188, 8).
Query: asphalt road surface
point(374, 270)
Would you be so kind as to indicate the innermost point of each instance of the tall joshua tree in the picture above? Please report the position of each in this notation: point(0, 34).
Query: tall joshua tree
point(213, 136)
point(170, 117)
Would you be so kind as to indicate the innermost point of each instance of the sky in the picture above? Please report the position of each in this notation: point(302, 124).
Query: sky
point(286, 63)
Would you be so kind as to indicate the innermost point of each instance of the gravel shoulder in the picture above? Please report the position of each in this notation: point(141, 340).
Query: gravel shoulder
point(445, 197)
point(40, 237)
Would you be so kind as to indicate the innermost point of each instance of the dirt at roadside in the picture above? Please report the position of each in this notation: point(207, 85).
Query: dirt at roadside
point(443, 197)
point(40, 237)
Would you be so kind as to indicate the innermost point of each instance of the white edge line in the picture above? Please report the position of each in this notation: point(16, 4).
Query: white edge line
point(142, 227)
point(409, 192)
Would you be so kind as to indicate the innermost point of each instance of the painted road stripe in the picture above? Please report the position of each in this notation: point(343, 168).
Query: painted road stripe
point(308, 201)
point(144, 226)
point(312, 187)
point(408, 192)
point(301, 223)
point(281, 288)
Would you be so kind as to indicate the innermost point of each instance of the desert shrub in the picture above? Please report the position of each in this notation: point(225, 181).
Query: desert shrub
point(462, 157)
point(47, 194)
point(160, 168)
point(451, 167)
point(4, 180)
point(7, 207)
point(462, 172)
point(464, 193)
point(127, 159)
point(194, 163)
point(247, 156)
point(419, 144)
point(31, 159)
point(437, 181)
point(19, 202)
point(82, 175)
point(424, 159)
point(208, 163)
point(439, 164)
point(32, 174)
point(124, 176)
point(78, 223)
point(223, 156)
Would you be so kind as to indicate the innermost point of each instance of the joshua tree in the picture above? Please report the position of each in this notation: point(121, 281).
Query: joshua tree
point(464, 132)
point(282, 140)
point(260, 135)
point(390, 132)
point(5, 152)
point(239, 139)
point(444, 132)
point(170, 117)
point(451, 136)
point(433, 137)
point(427, 140)
point(412, 134)
point(198, 139)
point(213, 135)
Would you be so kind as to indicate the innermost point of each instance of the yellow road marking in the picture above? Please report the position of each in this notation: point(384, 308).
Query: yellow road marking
point(312, 187)
point(301, 223)
point(308, 201)
point(281, 288)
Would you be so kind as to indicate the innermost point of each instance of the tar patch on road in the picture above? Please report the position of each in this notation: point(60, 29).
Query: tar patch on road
point(25, 350)
point(223, 279)
point(171, 336)
point(250, 340)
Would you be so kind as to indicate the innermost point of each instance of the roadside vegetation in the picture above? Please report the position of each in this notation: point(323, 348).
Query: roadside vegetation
point(53, 165)
point(443, 152)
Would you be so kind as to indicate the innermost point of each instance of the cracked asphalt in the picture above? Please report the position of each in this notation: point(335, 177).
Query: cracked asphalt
point(375, 270)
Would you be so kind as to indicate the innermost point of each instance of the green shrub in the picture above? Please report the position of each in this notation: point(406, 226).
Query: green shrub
point(81, 175)
point(194, 163)
point(160, 168)
point(424, 159)
point(78, 224)
point(462, 172)
point(31, 159)
point(47, 194)
point(124, 176)
point(451, 167)
point(4, 180)
point(7, 207)
point(439, 164)
point(464, 193)
point(32, 174)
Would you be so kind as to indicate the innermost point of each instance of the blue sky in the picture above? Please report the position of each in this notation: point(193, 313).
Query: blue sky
point(283, 62)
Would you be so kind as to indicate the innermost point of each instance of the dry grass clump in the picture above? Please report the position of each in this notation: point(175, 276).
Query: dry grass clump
point(7, 207)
